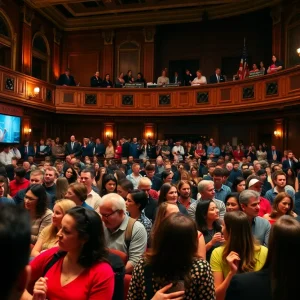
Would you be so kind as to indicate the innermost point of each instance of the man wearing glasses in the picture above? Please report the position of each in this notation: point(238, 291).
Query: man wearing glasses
point(113, 213)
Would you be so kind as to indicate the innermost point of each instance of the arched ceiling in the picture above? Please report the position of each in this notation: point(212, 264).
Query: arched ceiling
point(71, 15)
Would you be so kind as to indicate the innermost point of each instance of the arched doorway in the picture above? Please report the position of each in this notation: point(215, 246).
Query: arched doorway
point(7, 42)
point(40, 57)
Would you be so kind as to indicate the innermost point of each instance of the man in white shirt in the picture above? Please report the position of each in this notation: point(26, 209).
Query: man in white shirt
point(199, 80)
point(93, 199)
point(178, 151)
point(7, 154)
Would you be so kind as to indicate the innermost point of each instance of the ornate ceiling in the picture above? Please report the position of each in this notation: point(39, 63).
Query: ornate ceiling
point(71, 15)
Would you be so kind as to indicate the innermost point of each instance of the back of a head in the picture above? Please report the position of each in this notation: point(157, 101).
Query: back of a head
point(79, 190)
point(283, 258)
point(15, 233)
point(62, 185)
point(177, 237)
point(240, 239)
point(126, 185)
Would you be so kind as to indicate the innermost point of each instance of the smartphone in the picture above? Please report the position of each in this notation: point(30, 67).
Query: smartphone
point(176, 287)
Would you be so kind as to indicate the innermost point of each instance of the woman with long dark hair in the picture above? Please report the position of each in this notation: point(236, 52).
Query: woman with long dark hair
point(238, 185)
point(35, 201)
point(277, 280)
point(109, 184)
point(80, 270)
point(207, 220)
point(168, 193)
point(172, 265)
point(241, 253)
point(71, 175)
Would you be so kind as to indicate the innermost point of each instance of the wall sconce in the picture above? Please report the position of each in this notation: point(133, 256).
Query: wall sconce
point(149, 135)
point(107, 134)
point(277, 133)
point(35, 93)
point(27, 130)
point(298, 51)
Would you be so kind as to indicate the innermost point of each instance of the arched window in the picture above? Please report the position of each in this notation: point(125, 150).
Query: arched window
point(7, 42)
point(293, 40)
point(40, 57)
point(129, 58)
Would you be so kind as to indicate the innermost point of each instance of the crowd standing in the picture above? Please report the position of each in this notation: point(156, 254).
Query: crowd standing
point(143, 220)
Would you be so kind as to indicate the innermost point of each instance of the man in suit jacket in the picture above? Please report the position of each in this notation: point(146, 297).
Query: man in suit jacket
point(125, 147)
point(73, 148)
point(290, 162)
point(274, 155)
point(26, 150)
point(187, 78)
point(66, 79)
point(96, 81)
point(217, 77)
point(176, 78)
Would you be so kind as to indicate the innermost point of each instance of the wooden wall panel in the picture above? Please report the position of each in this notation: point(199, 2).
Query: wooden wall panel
point(83, 66)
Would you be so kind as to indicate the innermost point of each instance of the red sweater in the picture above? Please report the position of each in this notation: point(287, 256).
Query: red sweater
point(15, 186)
point(94, 283)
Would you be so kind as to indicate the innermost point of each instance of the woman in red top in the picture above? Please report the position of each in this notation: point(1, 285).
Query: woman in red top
point(283, 205)
point(118, 151)
point(238, 154)
point(81, 271)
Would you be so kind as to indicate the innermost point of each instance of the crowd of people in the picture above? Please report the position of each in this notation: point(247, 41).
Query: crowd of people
point(186, 79)
point(190, 222)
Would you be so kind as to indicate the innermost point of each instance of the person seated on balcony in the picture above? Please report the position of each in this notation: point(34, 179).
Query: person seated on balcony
point(187, 78)
point(217, 77)
point(176, 78)
point(275, 66)
point(106, 83)
point(141, 79)
point(262, 67)
point(199, 80)
point(120, 80)
point(96, 81)
point(163, 79)
point(254, 68)
point(128, 77)
point(66, 79)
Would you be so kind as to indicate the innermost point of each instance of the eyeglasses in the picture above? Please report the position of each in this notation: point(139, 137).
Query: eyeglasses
point(108, 215)
point(30, 198)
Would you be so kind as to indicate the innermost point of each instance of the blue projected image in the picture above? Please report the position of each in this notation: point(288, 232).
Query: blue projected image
point(10, 127)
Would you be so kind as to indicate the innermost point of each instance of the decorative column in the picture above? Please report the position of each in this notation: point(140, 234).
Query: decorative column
point(56, 54)
point(149, 33)
point(277, 40)
point(108, 53)
point(26, 61)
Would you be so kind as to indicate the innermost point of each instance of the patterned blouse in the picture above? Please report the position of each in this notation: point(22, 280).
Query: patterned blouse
point(202, 285)
point(146, 222)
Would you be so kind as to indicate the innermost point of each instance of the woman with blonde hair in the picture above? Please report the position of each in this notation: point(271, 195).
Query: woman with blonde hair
point(48, 237)
point(283, 205)
point(239, 254)
point(61, 187)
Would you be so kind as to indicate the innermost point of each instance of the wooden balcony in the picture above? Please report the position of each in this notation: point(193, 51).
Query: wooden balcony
point(261, 93)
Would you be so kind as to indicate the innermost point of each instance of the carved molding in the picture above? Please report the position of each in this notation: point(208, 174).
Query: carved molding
point(149, 34)
point(108, 36)
point(57, 36)
point(28, 15)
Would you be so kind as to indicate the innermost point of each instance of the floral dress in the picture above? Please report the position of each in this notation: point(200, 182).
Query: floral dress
point(202, 283)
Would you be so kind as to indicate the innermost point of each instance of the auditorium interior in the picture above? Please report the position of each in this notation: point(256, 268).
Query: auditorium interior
point(40, 39)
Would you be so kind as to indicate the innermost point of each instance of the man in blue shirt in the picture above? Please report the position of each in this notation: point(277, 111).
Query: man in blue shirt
point(249, 201)
point(213, 152)
point(279, 180)
point(221, 190)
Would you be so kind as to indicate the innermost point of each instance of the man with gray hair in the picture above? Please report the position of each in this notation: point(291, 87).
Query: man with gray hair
point(249, 201)
point(122, 232)
point(206, 190)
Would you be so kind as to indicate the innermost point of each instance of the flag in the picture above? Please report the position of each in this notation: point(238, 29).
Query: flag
point(243, 71)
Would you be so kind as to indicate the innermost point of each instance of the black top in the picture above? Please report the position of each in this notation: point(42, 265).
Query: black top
point(250, 286)
point(96, 81)
point(213, 78)
point(128, 79)
point(187, 79)
point(107, 83)
point(64, 80)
